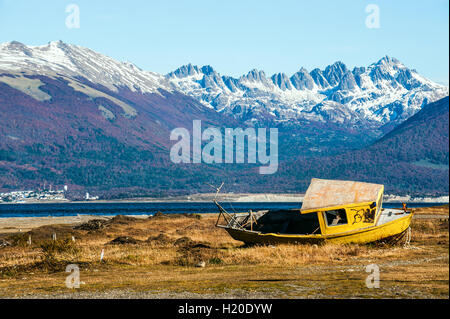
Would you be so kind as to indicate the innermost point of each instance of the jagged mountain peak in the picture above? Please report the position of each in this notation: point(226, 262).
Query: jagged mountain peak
point(388, 64)
point(303, 70)
point(389, 60)
point(281, 80)
point(192, 70)
point(319, 78)
point(334, 72)
point(254, 75)
point(184, 71)
point(347, 81)
point(302, 80)
point(338, 65)
point(207, 70)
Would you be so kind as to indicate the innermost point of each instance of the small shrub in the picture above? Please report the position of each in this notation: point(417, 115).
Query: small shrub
point(133, 258)
point(215, 261)
point(66, 248)
point(20, 239)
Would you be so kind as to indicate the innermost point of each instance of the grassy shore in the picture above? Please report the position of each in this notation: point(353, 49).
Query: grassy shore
point(186, 256)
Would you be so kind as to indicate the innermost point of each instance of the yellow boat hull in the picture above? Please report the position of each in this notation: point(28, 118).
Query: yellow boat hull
point(392, 230)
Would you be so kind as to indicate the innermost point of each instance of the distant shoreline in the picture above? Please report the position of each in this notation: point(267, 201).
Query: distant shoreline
point(229, 197)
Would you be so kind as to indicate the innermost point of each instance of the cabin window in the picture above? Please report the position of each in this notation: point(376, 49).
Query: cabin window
point(369, 215)
point(336, 217)
point(288, 222)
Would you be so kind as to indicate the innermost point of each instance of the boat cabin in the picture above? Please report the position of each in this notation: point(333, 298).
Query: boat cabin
point(329, 207)
point(332, 211)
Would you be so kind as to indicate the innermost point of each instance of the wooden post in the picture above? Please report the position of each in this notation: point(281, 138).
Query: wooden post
point(54, 236)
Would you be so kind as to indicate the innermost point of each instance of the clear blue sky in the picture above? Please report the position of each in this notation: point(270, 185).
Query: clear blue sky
point(236, 36)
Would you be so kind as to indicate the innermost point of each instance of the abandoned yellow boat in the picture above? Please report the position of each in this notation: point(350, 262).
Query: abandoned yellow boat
point(332, 211)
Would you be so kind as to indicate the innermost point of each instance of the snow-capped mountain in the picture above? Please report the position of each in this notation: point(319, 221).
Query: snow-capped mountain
point(383, 92)
point(59, 58)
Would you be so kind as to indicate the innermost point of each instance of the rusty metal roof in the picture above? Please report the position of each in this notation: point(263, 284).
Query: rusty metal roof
point(327, 193)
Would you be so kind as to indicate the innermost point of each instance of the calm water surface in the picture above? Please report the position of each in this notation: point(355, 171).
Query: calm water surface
point(73, 209)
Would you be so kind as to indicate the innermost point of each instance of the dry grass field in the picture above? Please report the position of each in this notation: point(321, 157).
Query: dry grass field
point(185, 256)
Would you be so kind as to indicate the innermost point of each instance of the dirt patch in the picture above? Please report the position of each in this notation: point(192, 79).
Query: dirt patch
point(122, 240)
point(161, 239)
point(187, 215)
point(121, 219)
point(94, 224)
point(98, 224)
point(194, 253)
point(183, 241)
point(189, 243)
point(197, 254)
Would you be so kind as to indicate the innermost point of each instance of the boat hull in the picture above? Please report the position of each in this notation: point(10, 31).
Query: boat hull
point(390, 231)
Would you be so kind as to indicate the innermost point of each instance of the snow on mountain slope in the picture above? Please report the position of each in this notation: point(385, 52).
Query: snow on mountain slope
point(59, 58)
point(384, 92)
